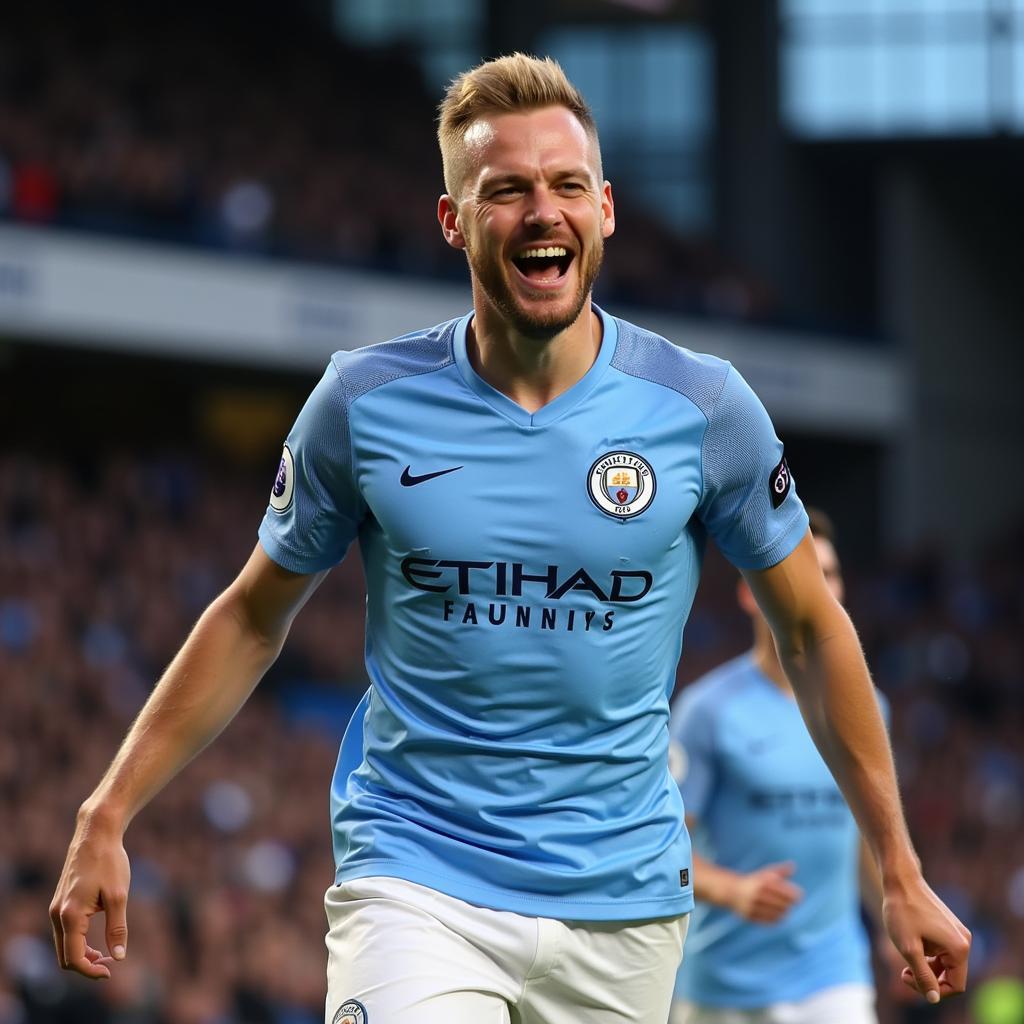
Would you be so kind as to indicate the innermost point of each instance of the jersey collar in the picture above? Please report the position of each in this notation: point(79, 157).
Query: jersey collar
point(555, 408)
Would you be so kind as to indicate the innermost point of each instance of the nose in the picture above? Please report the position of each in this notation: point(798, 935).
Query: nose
point(542, 212)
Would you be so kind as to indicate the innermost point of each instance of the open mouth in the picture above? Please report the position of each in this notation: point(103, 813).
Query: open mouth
point(543, 264)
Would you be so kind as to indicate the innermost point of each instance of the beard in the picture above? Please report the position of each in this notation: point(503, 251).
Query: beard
point(546, 323)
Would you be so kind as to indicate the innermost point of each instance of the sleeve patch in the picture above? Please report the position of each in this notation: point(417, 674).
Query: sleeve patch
point(779, 483)
point(284, 484)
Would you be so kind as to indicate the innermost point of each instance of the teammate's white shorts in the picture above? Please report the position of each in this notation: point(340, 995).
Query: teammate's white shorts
point(841, 1004)
point(400, 953)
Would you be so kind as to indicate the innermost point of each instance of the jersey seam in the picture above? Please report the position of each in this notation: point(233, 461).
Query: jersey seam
point(449, 360)
point(353, 466)
point(687, 398)
point(707, 430)
point(349, 402)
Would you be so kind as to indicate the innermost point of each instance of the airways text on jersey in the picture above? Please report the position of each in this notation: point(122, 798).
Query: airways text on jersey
point(481, 581)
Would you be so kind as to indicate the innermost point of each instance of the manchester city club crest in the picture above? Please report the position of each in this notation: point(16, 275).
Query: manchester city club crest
point(351, 1012)
point(621, 484)
point(284, 483)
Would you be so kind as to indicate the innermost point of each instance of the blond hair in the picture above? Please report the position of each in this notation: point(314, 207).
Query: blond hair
point(505, 85)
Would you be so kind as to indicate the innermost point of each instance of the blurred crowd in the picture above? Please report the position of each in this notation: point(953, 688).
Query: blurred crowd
point(101, 576)
point(105, 565)
point(250, 129)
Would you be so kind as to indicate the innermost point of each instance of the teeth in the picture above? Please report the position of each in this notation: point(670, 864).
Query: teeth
point(551, 250)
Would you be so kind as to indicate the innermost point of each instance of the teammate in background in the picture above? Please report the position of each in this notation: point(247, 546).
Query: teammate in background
point(780, 869)
point(530, 485)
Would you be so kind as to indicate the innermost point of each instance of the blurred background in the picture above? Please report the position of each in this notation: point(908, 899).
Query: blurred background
point(200, 202)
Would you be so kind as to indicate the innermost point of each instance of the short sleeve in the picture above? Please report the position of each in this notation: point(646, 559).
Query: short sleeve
point(692, 751)
point(315, 507)
point(749, 502)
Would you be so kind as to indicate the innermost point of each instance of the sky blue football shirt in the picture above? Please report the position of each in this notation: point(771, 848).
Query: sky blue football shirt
point(750, 774)
point(528, 577)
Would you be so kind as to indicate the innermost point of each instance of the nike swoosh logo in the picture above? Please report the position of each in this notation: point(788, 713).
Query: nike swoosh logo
point(408, 480)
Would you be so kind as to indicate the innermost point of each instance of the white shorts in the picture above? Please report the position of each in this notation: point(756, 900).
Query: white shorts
point(400, 953)
point(841, 1004)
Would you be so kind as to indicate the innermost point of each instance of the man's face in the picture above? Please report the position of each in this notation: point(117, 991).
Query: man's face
point(532, 217)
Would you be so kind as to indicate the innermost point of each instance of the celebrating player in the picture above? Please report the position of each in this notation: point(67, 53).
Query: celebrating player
point(530, 485)
point(780, 869)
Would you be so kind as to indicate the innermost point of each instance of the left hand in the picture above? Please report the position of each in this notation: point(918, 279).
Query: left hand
point(930, 938)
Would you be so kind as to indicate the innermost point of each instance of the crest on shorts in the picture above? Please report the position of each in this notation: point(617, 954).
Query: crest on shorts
point(351, 1012)
point(284, 483)
point(621, 484)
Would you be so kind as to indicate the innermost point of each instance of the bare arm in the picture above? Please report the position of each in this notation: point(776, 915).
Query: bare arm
point(821, 655)
point(762, 896)
point(233, 644)
point(870, 884)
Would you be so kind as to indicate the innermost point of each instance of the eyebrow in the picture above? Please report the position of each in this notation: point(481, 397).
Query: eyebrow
point(515, 177)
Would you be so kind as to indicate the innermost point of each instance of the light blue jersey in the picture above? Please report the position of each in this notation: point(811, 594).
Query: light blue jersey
point(528, 578)
point(750, 774)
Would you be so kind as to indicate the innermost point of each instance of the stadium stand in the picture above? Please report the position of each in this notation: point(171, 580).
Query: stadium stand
point(278, 141)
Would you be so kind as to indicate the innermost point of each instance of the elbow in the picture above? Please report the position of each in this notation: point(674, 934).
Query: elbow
point(235, 608)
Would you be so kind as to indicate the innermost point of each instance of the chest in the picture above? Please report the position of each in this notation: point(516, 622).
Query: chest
point(609, 486)
point(769, 761)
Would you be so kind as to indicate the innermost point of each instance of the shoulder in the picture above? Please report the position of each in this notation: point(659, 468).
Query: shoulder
point(364, 369)
point(648, 356)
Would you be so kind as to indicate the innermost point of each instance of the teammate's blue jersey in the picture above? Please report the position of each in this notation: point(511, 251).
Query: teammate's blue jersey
point(528, 577)
point(760, 792)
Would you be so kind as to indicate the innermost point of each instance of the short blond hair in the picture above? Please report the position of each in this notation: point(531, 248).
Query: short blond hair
point(504, 85)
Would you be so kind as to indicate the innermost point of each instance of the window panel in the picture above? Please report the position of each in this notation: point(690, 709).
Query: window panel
point(901, 67)
point(1018, 86)
point(650, 90)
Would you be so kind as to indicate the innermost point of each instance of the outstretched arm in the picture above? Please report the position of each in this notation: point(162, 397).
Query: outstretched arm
point(821, 655)
point(232, 645)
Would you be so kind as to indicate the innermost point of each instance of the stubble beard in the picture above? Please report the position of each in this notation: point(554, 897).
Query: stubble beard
point(547, 323)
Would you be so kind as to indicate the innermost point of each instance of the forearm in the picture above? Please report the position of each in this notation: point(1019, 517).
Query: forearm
point(826, 667)
point(870, 885)
point(207, 682)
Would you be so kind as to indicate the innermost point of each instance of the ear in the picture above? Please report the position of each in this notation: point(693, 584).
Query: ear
point(607, 211)
point(448, 218)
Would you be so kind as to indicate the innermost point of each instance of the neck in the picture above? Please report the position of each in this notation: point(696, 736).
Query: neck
point(531, 371)
point(766, 658)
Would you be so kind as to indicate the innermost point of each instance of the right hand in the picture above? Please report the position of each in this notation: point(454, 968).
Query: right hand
point(764, 896)
point(95, 878)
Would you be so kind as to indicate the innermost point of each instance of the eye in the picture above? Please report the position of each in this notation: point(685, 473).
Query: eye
point(505, 192)
point(572, 187)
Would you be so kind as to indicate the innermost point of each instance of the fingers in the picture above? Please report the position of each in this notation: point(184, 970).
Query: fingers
point(954, 960)
point(936, 949)
point(770, 906)
point(116, 904)
point(922, 977)
point(765, 895)
point(773, 898)
point(779, 892)
point(69, 930)
point(94, 956)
